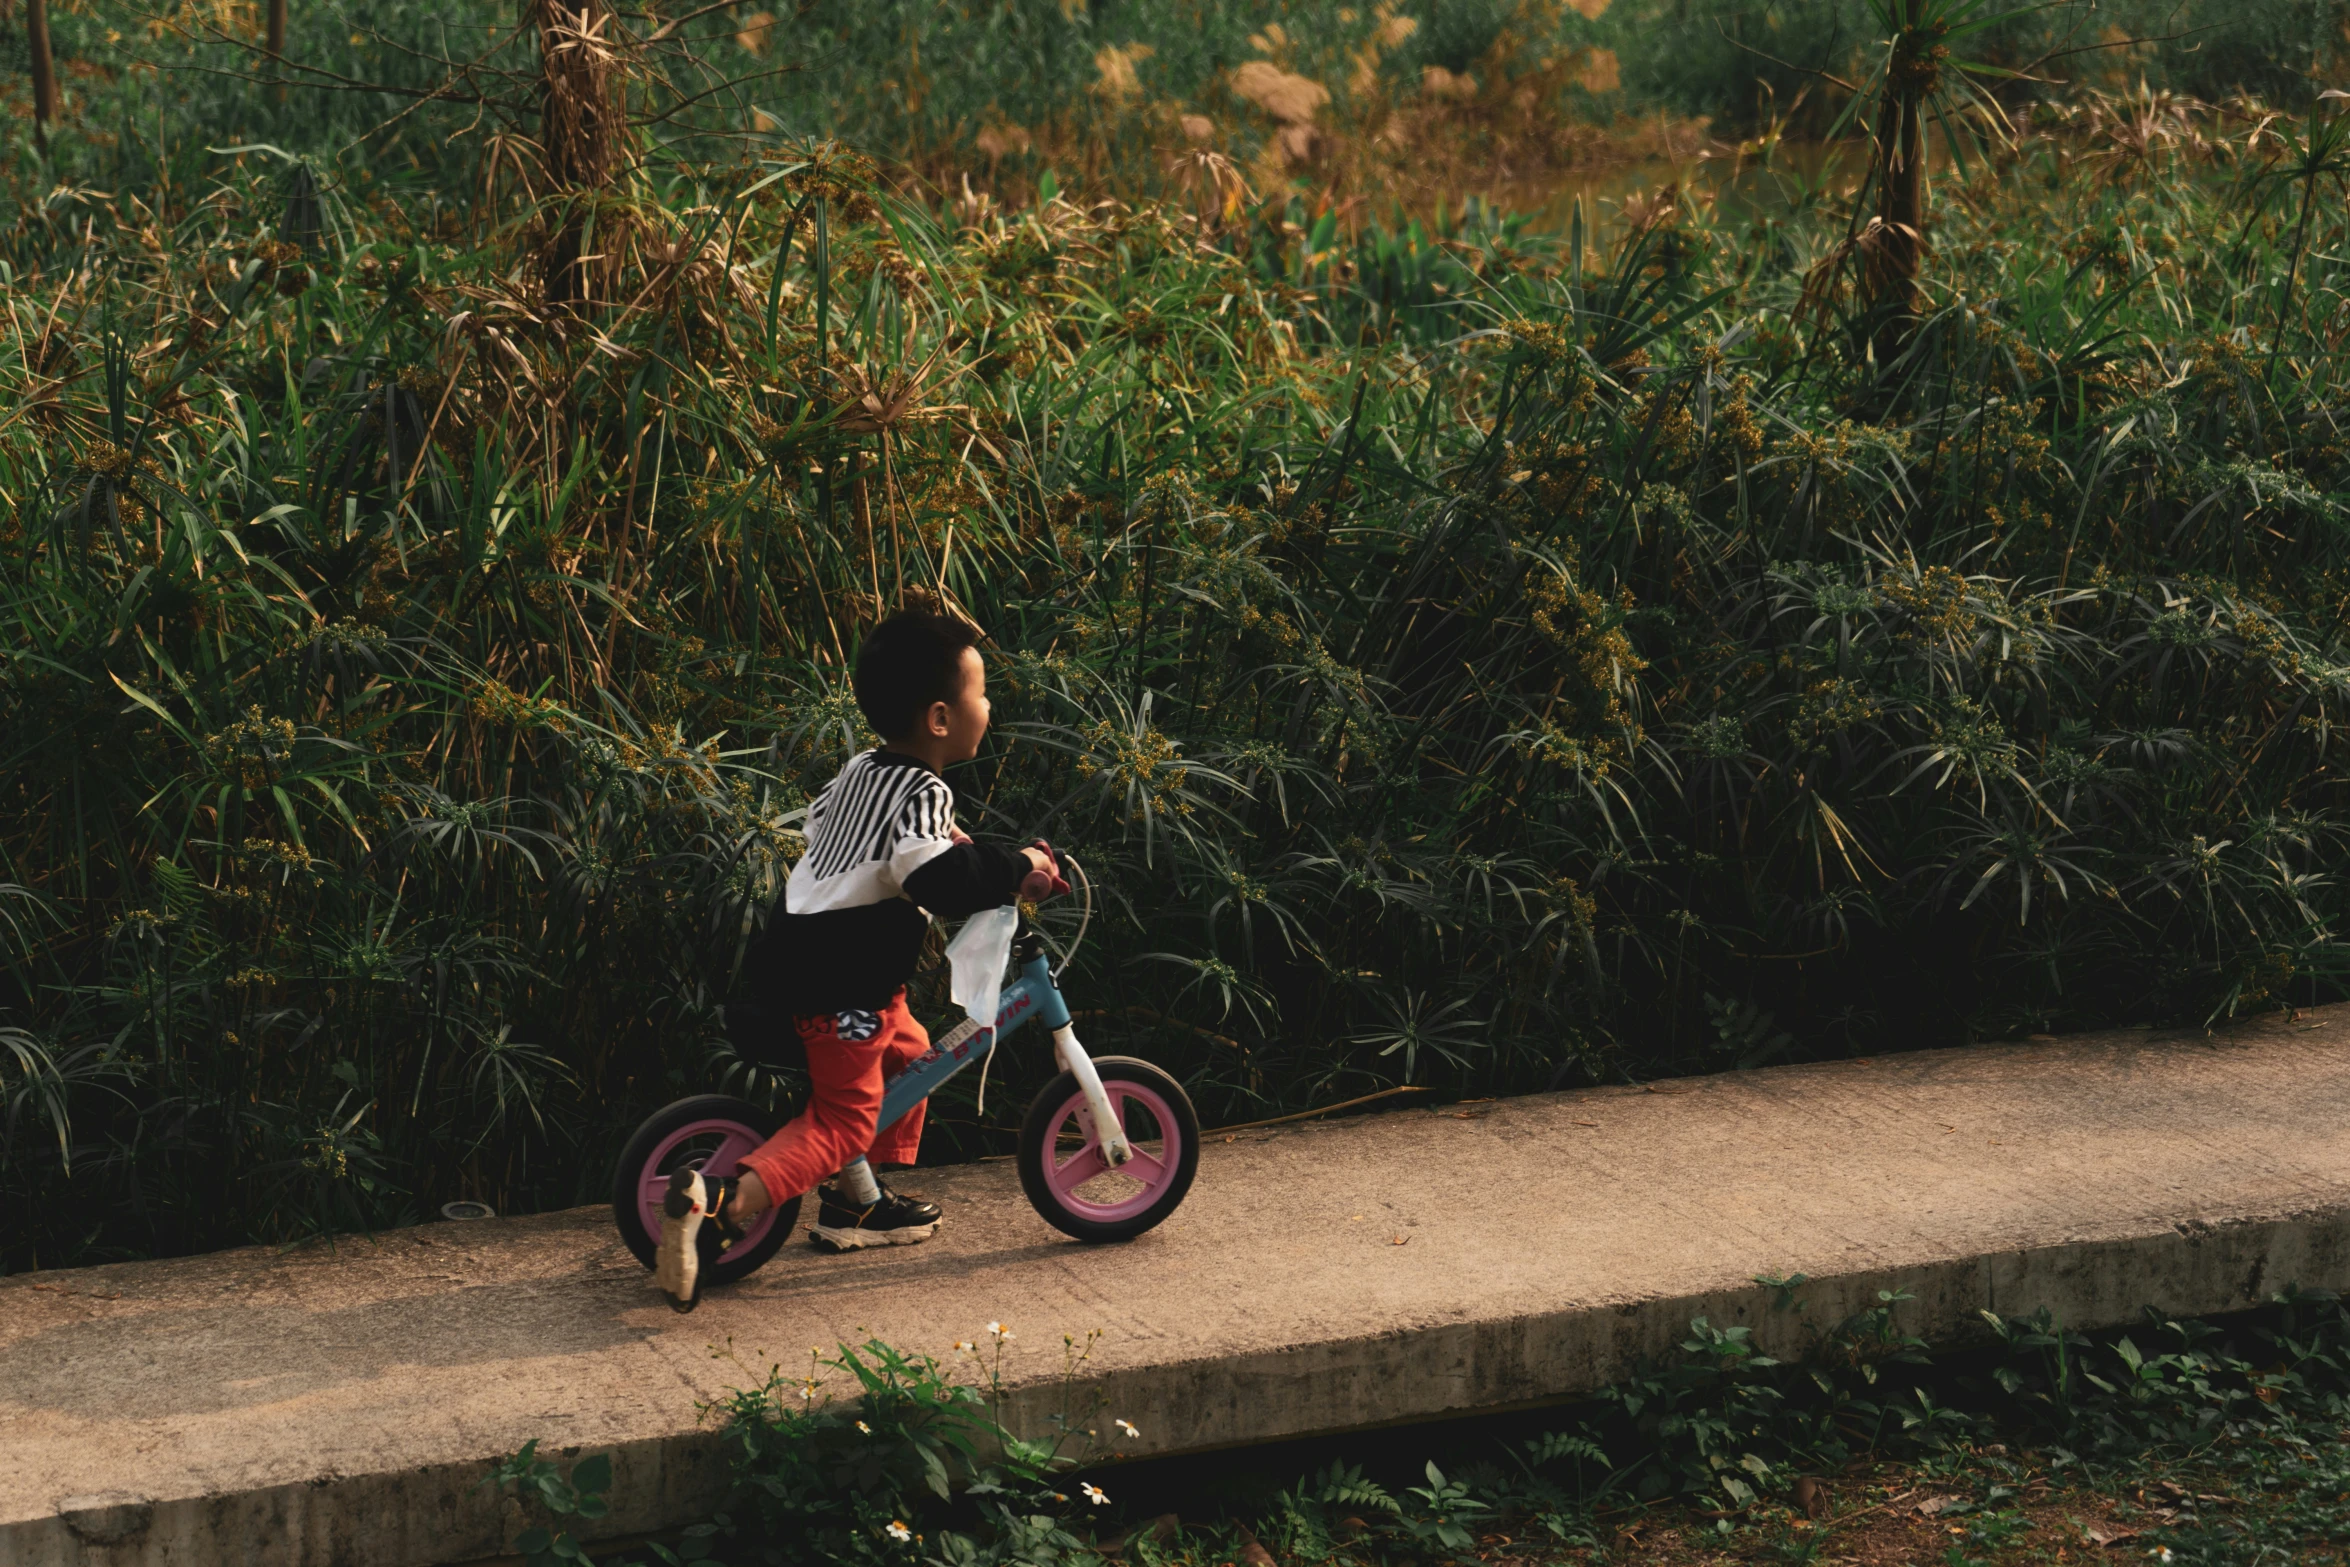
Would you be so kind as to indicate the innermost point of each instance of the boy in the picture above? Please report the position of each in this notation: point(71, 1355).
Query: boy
point(883, 856)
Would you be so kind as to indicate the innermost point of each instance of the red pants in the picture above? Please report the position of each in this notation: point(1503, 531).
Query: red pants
point(850, 1056)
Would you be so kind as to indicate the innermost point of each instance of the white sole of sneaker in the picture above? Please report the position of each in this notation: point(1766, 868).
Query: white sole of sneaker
point(677, 1265)
point(843, 1238)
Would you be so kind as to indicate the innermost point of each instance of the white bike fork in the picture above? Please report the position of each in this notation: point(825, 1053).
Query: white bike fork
point(1100, 1119)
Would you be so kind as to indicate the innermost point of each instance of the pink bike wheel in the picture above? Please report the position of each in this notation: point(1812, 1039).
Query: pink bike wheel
point(712, 1131)
point(1072, 1185)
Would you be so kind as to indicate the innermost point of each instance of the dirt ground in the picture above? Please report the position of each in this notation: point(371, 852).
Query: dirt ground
point(1989, 1510)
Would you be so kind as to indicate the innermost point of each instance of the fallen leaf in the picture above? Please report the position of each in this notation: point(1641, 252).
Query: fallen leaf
point(2103, 1534)
point(1586, 1123)
point(1400, 1240)
point(1935, 1506)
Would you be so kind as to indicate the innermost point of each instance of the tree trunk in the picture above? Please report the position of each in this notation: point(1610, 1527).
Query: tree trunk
point(36, 30)
point(1911, 78)
point(277, 47)
point(1901, 213)
point(579, 132)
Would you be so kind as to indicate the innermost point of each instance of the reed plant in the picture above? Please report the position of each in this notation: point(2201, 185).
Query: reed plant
point(1465, 660)
point(1435, 101)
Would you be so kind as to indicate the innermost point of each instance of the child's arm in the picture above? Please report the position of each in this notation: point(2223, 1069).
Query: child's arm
point(969, 877)
point(943, 870)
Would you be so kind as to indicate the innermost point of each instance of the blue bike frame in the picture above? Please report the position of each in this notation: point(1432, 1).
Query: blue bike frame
point(1031, 997)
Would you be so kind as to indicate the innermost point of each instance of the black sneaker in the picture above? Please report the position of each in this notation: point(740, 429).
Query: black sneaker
point(693, 1232)
point(896, 1220)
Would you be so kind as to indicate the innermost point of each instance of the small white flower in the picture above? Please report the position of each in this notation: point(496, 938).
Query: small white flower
point(862, 1426)
point(1002, 1333)
point(1127, 1426)
point(1095, 1495)
point(898, 1531)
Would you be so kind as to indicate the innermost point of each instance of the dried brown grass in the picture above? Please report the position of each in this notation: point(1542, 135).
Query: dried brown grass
point(1494, 126)
point(1501, 127)
point(1286, 96)
point(582, 133)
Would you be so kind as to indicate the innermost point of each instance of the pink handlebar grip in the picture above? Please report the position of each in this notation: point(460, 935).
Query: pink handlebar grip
point(1037, 886)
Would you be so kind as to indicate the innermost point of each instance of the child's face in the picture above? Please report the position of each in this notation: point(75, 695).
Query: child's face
point(960, 725)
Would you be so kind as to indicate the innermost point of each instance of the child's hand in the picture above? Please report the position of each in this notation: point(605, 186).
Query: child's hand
point(1044, 874)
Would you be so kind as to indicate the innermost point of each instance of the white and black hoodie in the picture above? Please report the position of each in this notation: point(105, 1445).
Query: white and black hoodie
point(881, 860)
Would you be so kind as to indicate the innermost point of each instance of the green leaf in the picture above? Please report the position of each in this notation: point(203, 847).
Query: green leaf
point(934, 1473)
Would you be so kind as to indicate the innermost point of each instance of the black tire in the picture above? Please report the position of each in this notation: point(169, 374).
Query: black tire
point(727, 1267)
point(1035, 1155)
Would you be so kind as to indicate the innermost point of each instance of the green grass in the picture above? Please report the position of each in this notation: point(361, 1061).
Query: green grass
point(912, 78)
point(2217, 1441)
point(920, 81)
point(1466, 660)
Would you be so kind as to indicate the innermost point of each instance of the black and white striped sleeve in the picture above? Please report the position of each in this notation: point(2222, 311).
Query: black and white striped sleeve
point(924, 828)
point(947, 878)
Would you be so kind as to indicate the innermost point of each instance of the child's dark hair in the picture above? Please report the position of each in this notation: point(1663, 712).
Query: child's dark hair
point(909, 661)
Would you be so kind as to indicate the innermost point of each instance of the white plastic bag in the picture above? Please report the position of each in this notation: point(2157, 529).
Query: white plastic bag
point(976, 959)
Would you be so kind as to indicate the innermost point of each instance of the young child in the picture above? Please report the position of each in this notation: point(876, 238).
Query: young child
point(883, 857)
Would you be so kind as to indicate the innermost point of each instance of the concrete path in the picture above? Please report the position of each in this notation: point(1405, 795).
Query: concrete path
point(338, 1407)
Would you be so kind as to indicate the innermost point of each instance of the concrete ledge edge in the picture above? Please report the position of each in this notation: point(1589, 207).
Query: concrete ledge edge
point(442, 1513)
